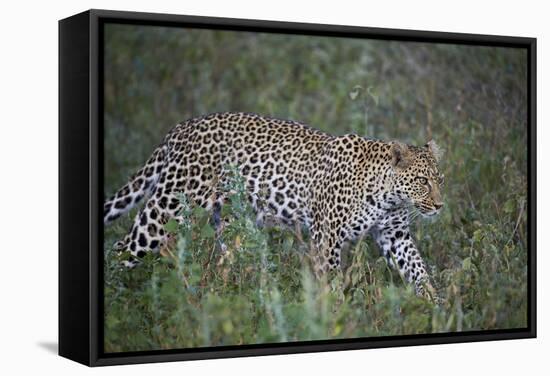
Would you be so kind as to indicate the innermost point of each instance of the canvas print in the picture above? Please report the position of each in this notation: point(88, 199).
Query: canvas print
point(266, 188)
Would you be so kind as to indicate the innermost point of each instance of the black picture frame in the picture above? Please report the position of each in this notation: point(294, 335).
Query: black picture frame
point(81, 195)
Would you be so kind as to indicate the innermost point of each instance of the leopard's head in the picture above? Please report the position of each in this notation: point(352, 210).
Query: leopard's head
point(417, 177)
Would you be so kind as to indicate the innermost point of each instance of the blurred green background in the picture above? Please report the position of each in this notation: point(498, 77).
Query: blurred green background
point(471, 100)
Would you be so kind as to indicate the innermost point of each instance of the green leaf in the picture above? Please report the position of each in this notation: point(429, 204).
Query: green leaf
point(249, 244)
point(171, 226)
point(226, 210)
point(227, 327)
point(467, 263)
point(199, 212)
point(207, 231)
point(111, 321)
point(478, 235)
point(509, 206)
point(288, 242)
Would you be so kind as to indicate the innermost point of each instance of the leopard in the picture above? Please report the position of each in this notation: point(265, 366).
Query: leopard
point(341, 188)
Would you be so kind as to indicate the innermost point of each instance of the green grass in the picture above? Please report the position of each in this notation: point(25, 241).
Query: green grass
point(471, 100)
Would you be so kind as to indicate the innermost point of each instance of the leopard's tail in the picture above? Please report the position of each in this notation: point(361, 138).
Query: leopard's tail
point(140, 185)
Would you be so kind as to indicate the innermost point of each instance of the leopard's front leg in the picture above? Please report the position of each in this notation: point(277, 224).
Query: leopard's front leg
point(327, 252)
point(395, 241)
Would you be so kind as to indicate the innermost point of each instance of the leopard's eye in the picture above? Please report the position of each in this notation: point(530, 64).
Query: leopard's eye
point(422, 180)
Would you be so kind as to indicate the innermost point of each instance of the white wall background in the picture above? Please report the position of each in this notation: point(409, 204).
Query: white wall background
point(28, 189)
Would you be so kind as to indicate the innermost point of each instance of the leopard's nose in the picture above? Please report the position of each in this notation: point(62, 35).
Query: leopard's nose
point(438, 205)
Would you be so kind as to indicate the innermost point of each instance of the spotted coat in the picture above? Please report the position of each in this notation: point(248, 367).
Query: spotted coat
point(341, 188)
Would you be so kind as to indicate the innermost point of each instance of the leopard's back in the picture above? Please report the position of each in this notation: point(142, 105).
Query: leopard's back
point(276, 158)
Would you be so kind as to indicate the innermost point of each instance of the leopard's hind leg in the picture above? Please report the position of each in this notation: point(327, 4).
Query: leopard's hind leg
point(148, 233)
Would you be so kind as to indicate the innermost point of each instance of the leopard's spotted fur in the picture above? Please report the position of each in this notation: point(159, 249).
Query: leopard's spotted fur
point(341, 188)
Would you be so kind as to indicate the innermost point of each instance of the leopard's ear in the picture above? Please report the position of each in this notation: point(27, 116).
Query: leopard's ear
point(436, 151)
point(401, 155)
